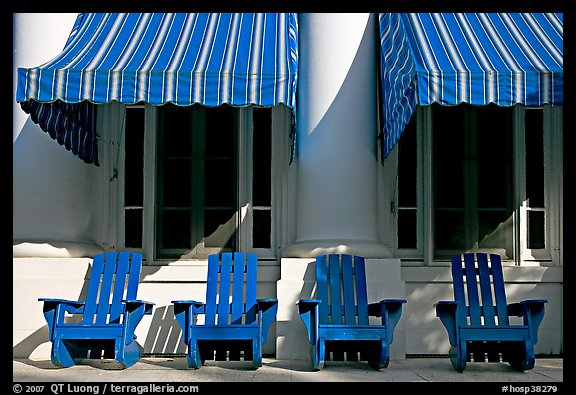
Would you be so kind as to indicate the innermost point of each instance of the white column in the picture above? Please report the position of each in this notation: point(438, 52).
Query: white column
point(335, 170)
point(336, 124)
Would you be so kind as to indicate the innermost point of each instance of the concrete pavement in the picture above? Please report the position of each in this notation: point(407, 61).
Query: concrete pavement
point(547, 371)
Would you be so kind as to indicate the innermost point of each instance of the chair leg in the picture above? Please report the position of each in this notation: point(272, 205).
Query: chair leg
point(257, 352)
point(60, 355)
point(193, 358)
point(458, 356)
point(317, 353)
point(131, 354)
point(523, 359)
point(382, 356)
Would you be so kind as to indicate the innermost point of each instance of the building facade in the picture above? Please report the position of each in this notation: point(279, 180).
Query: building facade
point(311, 173)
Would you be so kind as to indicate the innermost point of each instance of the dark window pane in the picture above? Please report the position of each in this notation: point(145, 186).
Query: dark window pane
point(176, 229)
point(493, 183)
point(536, 238)
point(494, 229)
point(134, 161)
point(262, 227)
point(220, 228)
point(407, 166)
point(406, 228)
point(494, 132)
point(133, 228)
point(176, 129)
point(220, 132)
point(449, 184)
point(220, 183)
point(262, 156)
point(176, 182)
point(534, 158)
point(449, 131)
point(450, 230)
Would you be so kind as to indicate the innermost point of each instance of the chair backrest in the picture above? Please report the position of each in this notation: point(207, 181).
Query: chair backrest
point(484, 294)
point(231, 288)
point(114, 276)
point(341, 285)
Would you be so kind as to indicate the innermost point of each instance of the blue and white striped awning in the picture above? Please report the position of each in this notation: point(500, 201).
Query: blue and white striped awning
point(211, 58)
point(475, 58)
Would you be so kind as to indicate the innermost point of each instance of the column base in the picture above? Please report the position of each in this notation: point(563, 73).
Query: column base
point(313, 248)
point(54, 249)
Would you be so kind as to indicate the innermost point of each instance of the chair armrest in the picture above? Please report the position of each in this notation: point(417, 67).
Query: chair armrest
point(519, 309)
point(268, 308)
point(185, 312)
point(445, 304)
point(306, 305)
point(137, 301)
point(133, 304)
point(385, 305)
point(391, 311)
point(532, 313)
point(447, 311)
point(308, 311)
point(198, 307)
point(135, 310)
point(52, 302)
point(265, 303)
point(55, 309)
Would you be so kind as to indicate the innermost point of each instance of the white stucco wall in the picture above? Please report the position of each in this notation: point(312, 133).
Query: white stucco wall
point(51, 187)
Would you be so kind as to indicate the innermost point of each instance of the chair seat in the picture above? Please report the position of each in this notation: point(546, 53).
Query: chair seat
point(348, 332)
point(225, 332)
point(79, 331)
point(480, 333)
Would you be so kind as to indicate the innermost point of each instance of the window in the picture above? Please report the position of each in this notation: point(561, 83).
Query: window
point(211, 189)
point(536, 213)
point(134, 178)
point(472, 171)
point(483, 186)
point(197, 176)
point(407, 184)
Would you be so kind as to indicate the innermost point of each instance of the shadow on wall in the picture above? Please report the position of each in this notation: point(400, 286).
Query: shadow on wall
point(164, 335)
point(28, 345)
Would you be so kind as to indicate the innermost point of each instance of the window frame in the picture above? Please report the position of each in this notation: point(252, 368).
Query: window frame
point(114, 149)
point(553, 189)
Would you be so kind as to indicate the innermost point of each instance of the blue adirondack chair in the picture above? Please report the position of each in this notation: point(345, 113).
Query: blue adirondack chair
point(236, 323)
point(109, 314)
point(338, 320)
point(478, 326)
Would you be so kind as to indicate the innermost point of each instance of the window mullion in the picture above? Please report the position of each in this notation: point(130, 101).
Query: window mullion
point(150, 163)
point(471, 215)
point(197, 175)
point(425, 195)
point(245, 140)
point(520, 212)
